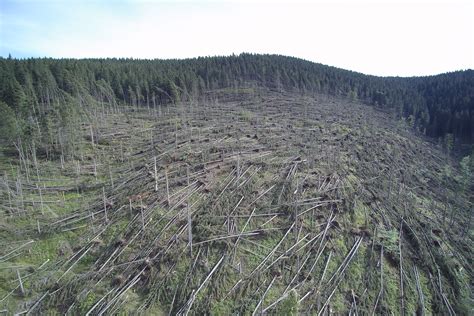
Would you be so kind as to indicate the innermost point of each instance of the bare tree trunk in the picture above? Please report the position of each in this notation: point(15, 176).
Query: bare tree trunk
point(92, 135)
point(167, 186)
point(22, 289)
point(105, 204)
point(155, 174)
point(190, 229)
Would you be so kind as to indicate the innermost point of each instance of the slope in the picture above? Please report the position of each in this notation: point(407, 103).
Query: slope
point(246, 201)
point(43, 95)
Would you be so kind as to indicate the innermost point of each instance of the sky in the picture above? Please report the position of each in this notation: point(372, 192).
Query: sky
point(385, 38)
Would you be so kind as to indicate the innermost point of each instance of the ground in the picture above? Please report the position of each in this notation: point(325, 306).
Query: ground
point(246, 201)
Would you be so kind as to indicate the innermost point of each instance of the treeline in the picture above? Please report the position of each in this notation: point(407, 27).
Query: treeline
point(38, 96)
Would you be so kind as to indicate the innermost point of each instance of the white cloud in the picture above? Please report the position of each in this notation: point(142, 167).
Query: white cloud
point(402, 38)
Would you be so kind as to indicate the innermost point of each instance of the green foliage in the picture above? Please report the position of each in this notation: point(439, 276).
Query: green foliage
point(437, 105)
point(379, 98)
point(8, 123)
point(411, 121)
point(173, 91)
point(448, 142)
point(289, 305)
point(389, 239)
point(352, 95)
point(391, 289)
point(222, 308)
point(359, 213)
point(87, 303)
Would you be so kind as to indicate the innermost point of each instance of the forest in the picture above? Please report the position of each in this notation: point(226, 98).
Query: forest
point(39, 93)
point(238, 185)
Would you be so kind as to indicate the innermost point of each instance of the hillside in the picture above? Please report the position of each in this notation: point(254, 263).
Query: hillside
point(242, 200)
point(43, 95)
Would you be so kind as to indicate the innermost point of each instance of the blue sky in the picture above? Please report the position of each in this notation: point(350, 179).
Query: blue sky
point(418, 37)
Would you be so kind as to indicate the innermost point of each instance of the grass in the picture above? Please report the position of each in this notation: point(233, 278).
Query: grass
point(344, 162)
